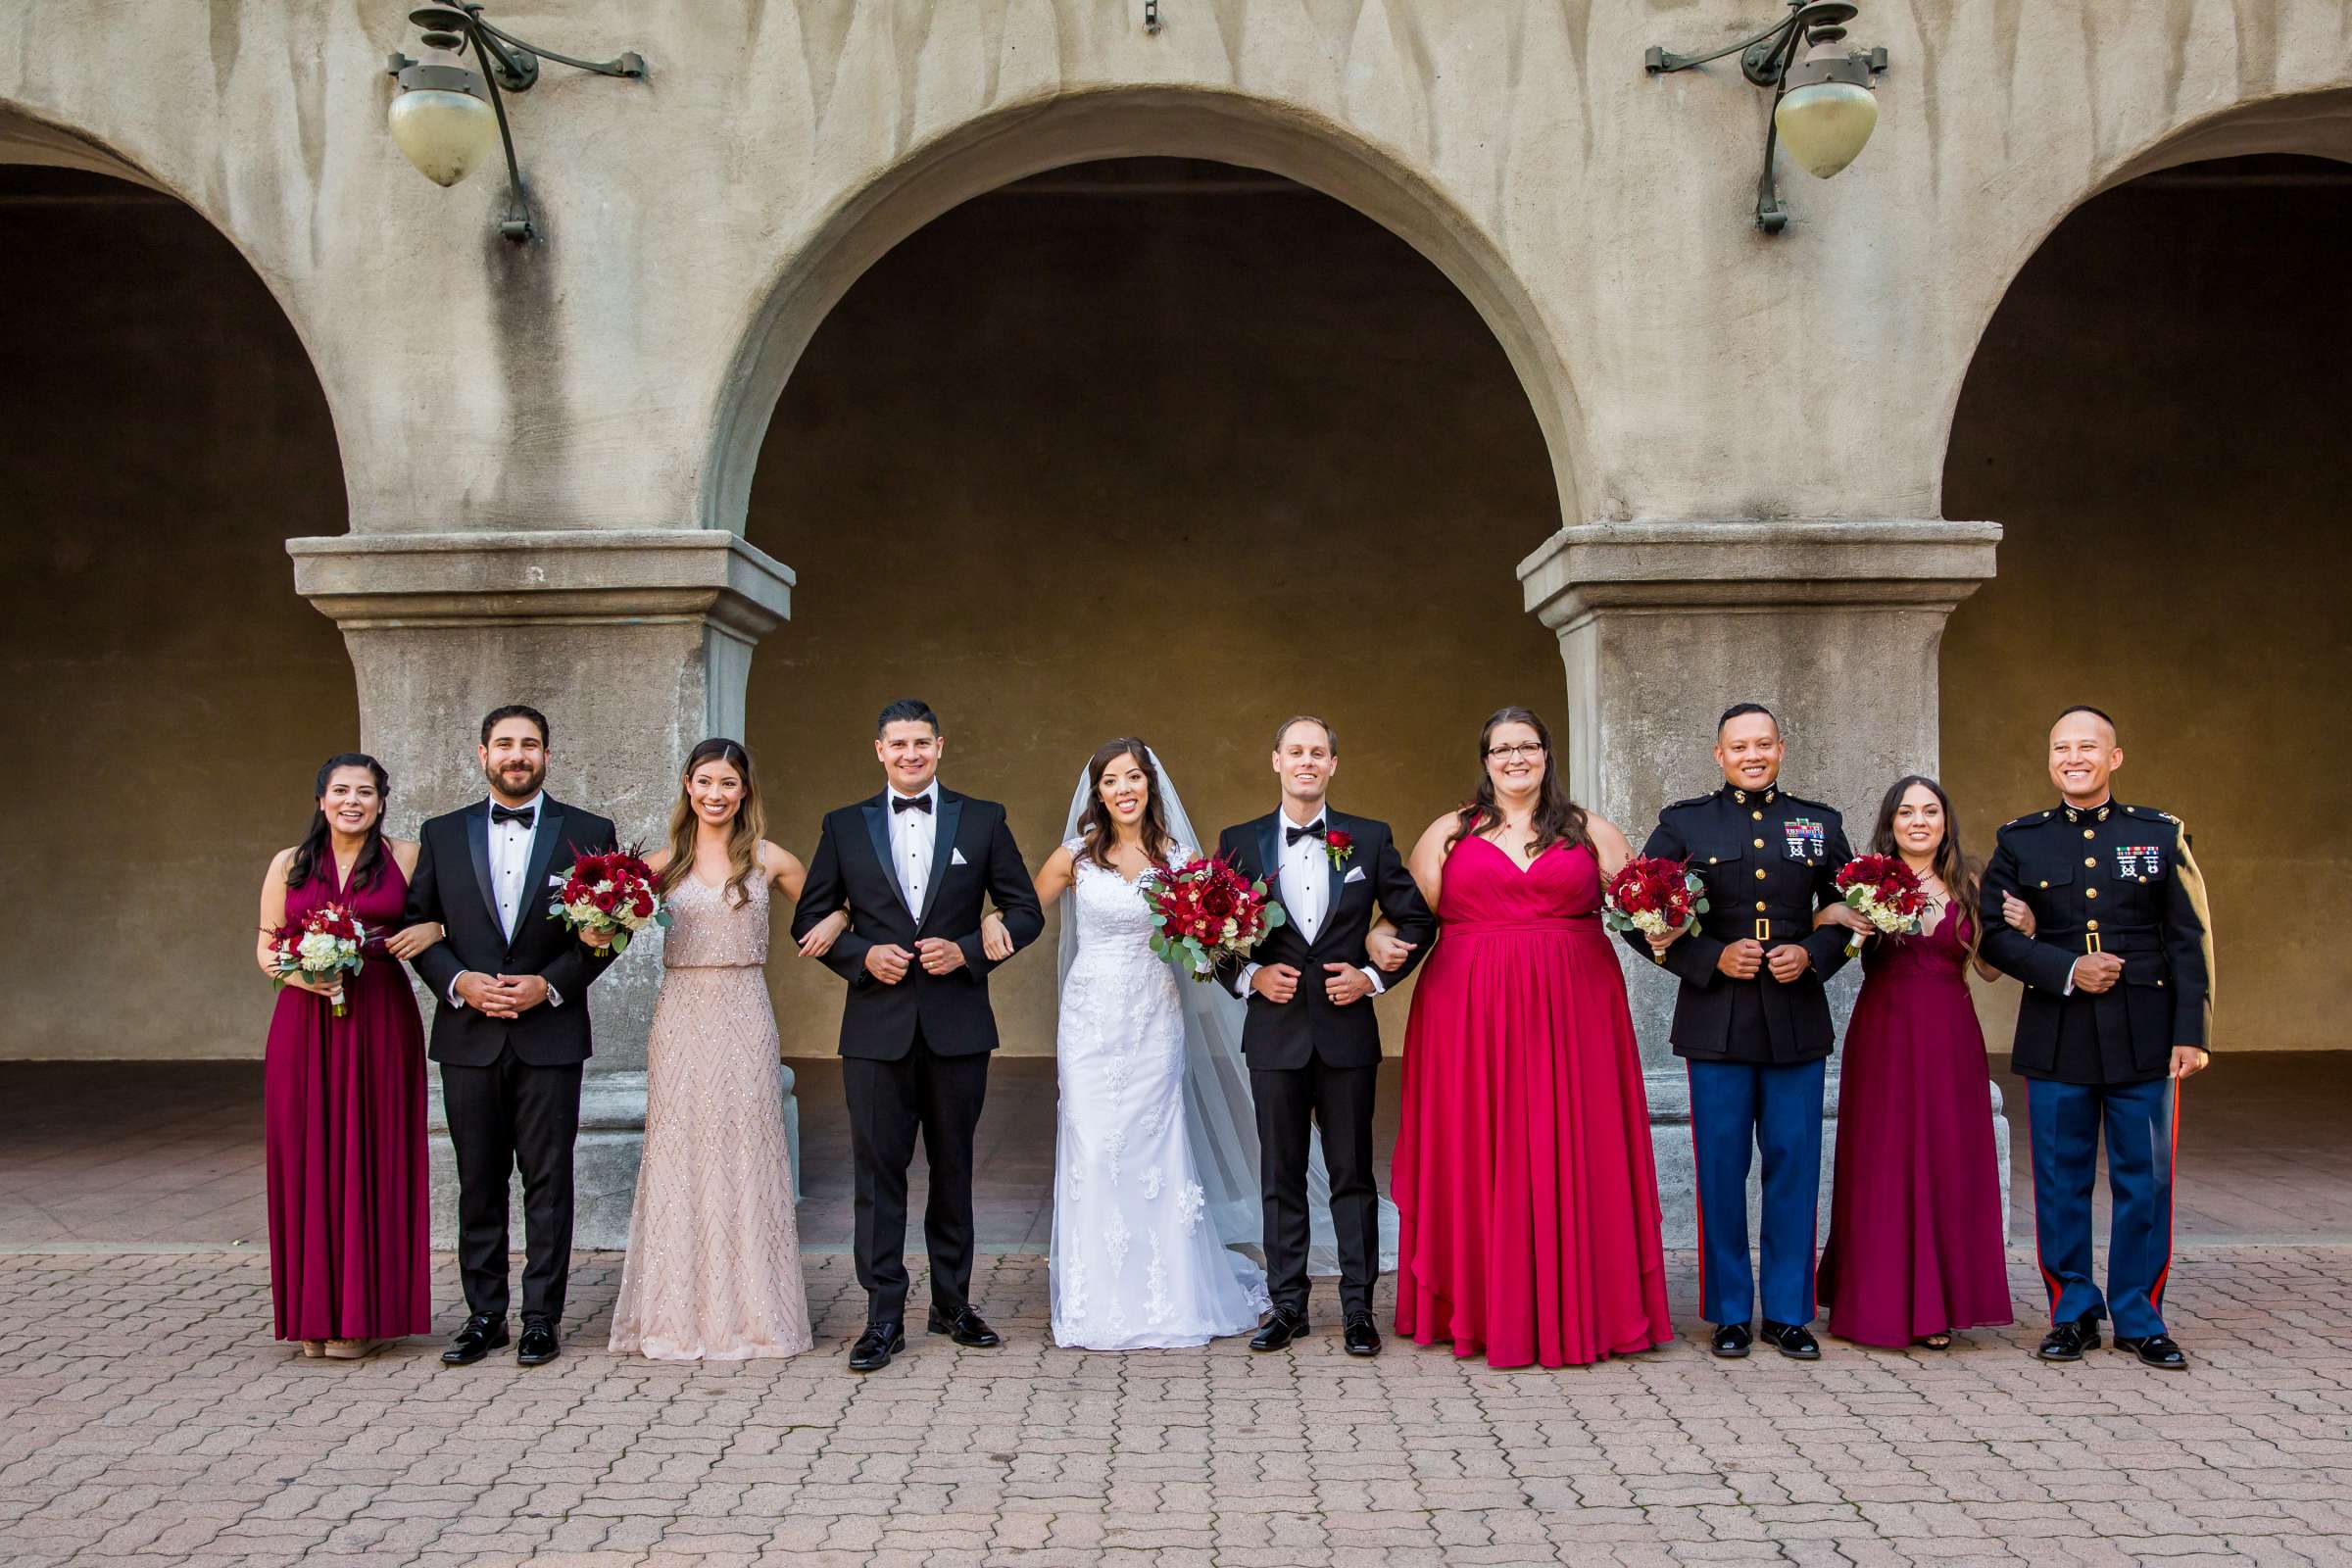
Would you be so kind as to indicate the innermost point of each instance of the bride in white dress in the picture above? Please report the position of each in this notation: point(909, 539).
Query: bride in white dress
point(1156, 1149)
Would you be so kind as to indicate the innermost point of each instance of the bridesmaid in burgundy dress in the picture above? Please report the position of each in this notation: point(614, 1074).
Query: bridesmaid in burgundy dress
point(1915, 1249)
point(343, 1099)
point(1524, 1176)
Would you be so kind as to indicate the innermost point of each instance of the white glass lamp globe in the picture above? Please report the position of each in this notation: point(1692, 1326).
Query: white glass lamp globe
point(1825, 125)
point(443, 132)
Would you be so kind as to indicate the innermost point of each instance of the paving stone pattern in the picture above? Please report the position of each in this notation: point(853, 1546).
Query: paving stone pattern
point(147, 1417)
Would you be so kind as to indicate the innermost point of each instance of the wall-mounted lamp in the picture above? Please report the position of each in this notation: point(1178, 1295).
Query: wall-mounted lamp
point(446, 113)
point(1822, 106)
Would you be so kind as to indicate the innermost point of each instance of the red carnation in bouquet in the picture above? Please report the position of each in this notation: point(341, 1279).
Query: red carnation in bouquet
point(1204, 910)
point(323, 944)
point(1655, 896)
point(1886, 892)
point(611, 893)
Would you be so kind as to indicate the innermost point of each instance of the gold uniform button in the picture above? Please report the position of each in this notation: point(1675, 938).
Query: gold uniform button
point(1759, 873)
point(1710, 859)
point(2092, 925)
point(1759, 906)
point(2090, 893)
point(2045, 884)
point(2090, 860)
point(2143, 879)
point(2086, 833)
point(1758, 815)
point(1759, 844)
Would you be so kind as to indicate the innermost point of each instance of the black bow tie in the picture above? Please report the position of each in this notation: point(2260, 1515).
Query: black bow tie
point(525, 815)
point(910, 803)
point(1317, 829)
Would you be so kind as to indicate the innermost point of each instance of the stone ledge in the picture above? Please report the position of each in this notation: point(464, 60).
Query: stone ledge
point(1755, 565)
point(558, 576)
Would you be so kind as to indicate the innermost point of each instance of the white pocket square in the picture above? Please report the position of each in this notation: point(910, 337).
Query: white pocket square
point(955, 858)
point(1356, 873)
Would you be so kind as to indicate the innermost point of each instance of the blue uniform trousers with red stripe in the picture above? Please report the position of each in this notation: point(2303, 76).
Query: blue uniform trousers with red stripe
point(2141, 1122)
point(1736, 1108)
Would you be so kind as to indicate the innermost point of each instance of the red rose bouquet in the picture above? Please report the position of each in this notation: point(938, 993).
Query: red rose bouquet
point(1655, 896)
point(612, 893)
point(1206, 911)
point(1884, 890)
point(323, 944)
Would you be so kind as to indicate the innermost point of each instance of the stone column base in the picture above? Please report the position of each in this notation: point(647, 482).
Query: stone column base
point(636, 645)
point(1668, 1093)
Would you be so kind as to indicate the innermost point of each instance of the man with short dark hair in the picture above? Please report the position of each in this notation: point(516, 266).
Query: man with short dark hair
point(2099, 908)
point(913, 866)
point(1751, 1023)
point(1309, 1035)
point(510, 1026)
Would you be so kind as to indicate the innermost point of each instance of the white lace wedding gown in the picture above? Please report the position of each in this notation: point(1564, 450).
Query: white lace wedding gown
point(1136, 1264)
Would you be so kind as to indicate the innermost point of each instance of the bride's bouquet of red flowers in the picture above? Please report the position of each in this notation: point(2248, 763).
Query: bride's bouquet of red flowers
point(1206, 911)
point(1655, 896)
point(322, 946)
point(612, 893)
point(1884, 890)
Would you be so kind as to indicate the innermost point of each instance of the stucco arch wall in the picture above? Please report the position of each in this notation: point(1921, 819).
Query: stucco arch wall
point(1000, 148)
point(584, 382)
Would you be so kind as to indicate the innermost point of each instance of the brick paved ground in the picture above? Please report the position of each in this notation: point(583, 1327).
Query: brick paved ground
point(149, 1419)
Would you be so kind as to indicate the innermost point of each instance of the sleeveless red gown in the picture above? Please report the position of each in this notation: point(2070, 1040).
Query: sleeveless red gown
point(1524, 1175)
point(343, 1138)
point(1915, 1242)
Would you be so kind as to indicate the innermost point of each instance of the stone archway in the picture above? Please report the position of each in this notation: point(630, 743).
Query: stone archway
point(2154, 413)
point(164, 697)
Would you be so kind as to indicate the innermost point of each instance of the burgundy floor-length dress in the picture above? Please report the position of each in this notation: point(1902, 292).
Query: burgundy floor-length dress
point(343, 1137)
point(1524, 1175)
point(1915, 1226)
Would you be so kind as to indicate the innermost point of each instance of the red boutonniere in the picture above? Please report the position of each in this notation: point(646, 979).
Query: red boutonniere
point(1339, 846)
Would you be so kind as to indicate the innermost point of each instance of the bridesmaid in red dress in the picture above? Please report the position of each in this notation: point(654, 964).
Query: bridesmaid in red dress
point(1915, 1249)
point(343, 1099)
point(1524, 1175)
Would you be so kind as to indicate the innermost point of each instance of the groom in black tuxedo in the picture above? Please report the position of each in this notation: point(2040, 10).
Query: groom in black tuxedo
point(510, 1026)
point(910, 865)
point(1312, 1039)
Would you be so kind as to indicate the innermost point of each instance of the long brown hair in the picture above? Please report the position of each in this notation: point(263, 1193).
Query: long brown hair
point(1093, 823)
point(1952, 867)
point(743, 835)
point(1557, 819)
point(314, 851)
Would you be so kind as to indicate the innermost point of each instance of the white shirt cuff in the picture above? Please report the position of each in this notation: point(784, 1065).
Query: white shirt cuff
point(455, 999)
point(1241, 987)
point(1373, 975)
point(555, 998)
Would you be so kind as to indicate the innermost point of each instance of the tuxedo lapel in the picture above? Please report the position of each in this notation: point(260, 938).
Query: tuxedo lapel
point(877, 831)
point(1334, 883)
point(477, 843)
point(1270, 852)
point(943, 852)
point(544, 845)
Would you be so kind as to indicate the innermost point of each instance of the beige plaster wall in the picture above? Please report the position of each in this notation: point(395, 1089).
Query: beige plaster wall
point(1071, 465)
point(164, 697)
point(2157, 418)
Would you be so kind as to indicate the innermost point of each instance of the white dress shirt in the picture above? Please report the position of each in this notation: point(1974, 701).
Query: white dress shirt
point(511, 845)
point(1304, 881)
point(911, 836)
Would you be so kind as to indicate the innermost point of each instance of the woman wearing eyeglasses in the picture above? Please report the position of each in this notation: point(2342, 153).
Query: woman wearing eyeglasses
point(1523, 1173)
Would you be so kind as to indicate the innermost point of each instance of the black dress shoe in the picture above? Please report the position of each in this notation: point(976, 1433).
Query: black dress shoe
point(876, 1346)
point(1731, 1341)
point(1792, 1340)
point(538, 1346)
point(1282, 1326)
point(2154, 1350)
point(481, 1335)
point(2068, 1341)
point(966, 1327)
point(1361, 1338)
